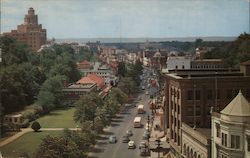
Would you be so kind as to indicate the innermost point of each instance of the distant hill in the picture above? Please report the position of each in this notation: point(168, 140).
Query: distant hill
point(140, 40)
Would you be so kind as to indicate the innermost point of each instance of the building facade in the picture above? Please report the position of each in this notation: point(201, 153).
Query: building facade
point(231, 130)
point(196, 143)
point(191, 94)
point(178, 62)
point(30, 32)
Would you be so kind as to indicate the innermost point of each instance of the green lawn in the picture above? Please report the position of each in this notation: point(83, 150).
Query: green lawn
point(58, 119)
point(28, 143)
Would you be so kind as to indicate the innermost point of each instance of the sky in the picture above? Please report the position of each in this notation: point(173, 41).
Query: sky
point(131, 18)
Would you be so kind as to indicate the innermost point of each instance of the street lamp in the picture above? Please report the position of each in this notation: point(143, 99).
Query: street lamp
point(194, 107)
point(148, 128)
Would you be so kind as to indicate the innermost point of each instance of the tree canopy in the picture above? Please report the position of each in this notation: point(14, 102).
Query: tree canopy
point(234, 52)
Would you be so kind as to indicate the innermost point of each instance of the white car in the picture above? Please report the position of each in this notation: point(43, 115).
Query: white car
point(131, 144)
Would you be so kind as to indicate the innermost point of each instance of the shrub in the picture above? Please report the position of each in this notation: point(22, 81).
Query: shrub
point(32, 112)
point(25, 123)
point(36, 126)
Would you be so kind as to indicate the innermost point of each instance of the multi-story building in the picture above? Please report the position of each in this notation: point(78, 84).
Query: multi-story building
point(207, 64)
point(231, 130)
point(179, 62)
point(75, 91)
point(30, 32)
point(196, 142)
point(190, 94)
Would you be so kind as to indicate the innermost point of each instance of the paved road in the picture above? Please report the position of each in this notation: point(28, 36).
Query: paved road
point(119, 126)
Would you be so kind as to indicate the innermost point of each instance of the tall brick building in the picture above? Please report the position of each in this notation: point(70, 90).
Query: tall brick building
point(30, 32)
point(190, 94)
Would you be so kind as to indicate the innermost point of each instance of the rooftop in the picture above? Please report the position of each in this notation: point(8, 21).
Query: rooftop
point(239, 106)
point(85, 80)
point(246, 63)
point(196, 73)
point(80, 86)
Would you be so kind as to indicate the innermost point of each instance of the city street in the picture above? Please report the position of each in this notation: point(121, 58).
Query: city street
point(119, 126)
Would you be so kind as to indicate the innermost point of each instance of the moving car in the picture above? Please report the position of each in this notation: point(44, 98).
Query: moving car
point(112, 139)
point(131, 145)
point(137, 122)
point(129, 133)
point(125, 139)
point(140, 109)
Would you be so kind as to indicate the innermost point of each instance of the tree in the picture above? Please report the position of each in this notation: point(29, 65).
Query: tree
point(119, 95)
point(46, 99)
point(86, 108)
point(84, 54)
point(121, 69)
point(233, 53)
point(36, 126)
point(127, 85)
point(58, 147)
point(50, 93)
point(83, 139)
point(198, 42)
point(20, 76)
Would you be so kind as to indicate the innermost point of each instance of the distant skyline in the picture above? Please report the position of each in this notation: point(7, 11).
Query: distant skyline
point(131, 18)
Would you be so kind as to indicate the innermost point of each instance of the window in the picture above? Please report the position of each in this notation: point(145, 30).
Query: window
point(197, 95)
point(218, 94)
point(209, 94)
point(229, 93)
point(224, 139)
point(248, 143)
point(217, 126)
point(235, 141)
point(189, 95)
point(248, 93)
point(183, 67)
point(190, 111)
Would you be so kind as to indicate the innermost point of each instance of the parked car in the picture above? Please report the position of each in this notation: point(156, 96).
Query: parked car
point(144, 152)
point(146, 135)
point(131, 145)
point(143, 145)
point(125, 139)
point(129, 133)
point(112, 139)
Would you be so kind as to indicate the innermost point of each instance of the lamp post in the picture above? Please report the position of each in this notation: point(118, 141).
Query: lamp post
point(148, 128)
point(194, 106)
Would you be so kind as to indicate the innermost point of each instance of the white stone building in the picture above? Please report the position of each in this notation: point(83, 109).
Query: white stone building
point(231, 130)
point(179, 62)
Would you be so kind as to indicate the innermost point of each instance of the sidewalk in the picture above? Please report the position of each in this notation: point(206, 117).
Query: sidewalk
point(14, 137)
point(157, 134)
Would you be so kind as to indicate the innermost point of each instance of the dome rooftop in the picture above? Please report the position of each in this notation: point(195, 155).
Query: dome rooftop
point(239, 106)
